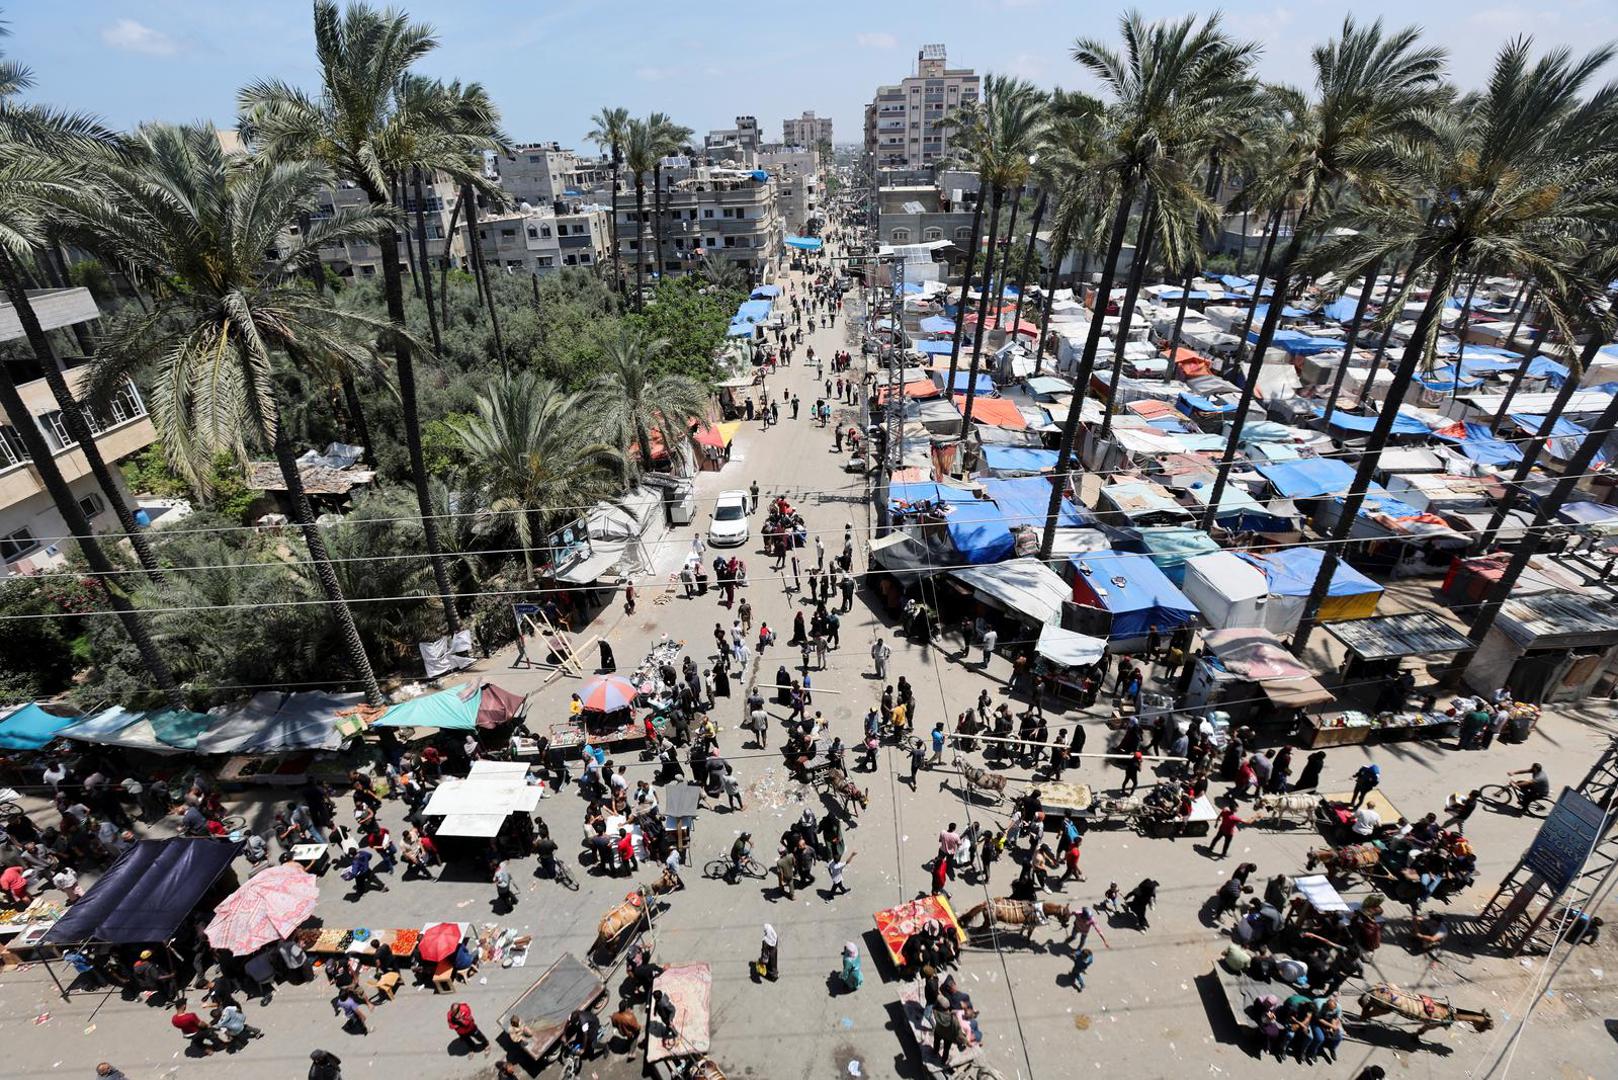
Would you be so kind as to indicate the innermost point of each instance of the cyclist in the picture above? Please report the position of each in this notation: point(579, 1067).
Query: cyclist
point(582, 1031)
point(1537, 786)
point(740, 852)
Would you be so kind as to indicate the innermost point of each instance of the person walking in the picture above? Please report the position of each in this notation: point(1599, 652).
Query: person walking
point(991, 637)
point(505, 890)
point(1082, 959)
point(1225, 831)
point(1366, 779)
point(1139, 901)
point(769, 955)
point(462, 1022)
point(323, 1065)
point(361, 873)
point(1131, 773)
point(834, 870)
point(786, 873)
point(853, 977)
point(918, 755)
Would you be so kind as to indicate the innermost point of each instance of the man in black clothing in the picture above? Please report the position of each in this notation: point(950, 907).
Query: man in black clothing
point(324, 1065)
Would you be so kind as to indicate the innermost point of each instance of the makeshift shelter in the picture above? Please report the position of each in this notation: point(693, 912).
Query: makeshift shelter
point(1140, 503)
point(1026, 589)
point(1290, 575)
point(1228, 591)
point(1131, 593)
point(994, 412)
point(461, 708)
point(1552, 646)
point(478, 804)
point(29, 727)
point(1310, 478)
point(975, 528)
point(1168, 546)
point(1013, 461)
point(131, 730)
point(1064, 654)
point(1024, 501)
point(271, 722)
point(1248, 673)
point(146, 893)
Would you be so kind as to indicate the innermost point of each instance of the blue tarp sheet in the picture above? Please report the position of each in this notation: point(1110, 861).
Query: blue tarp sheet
point(1018, 459)
point(1341, 309)
point(146, 893)
point(1308, 479)
point(1564, 438)
point(911, 287)
point(1587, 513)
point(31, 727)
point(804, 243)
point(1381, 501)
point(937, 324)
point(1134, 590)
point(1297, 343)
point(975, 526)
point(934, 348)
point(1175, 294)
point(766, 292)
point(742, 328)
point(1403, 424)
point(1023, 501)
point(753, 310)
point(1262, 311)
point(1553, 372)
point(963, 379)
point(1481, 446)
point(1292, 572)
point(1191, 404)
point(1231, 281)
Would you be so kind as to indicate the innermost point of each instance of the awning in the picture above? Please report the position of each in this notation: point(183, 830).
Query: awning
point(584, 571)
point(1408, 633)
point(1024, 587)
point(1067, 648)
point(119, 726)
point(480, 803)
point(728, 430)
point(146, 893)
point(893, 539)
point(709, 436)
point(1296, 693)
point(31, 727)
point(272, 722)
point(461, 708)
point(804, 243)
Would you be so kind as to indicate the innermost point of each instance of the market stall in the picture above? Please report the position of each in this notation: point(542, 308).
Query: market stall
point(897, 924)
point(1065, 655)
point(479, 804)
point(1554, 646)
point(1378, 646)
point(535, 1021)
point(1248, 674)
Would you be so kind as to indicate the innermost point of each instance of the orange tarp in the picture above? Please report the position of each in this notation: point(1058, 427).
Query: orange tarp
point(995, 412)
point(921, 388)
point(897, 924)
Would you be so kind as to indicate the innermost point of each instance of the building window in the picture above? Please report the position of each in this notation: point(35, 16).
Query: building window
point(963, 233)
point(545, 231)
point(92, 504)
point(932, 234)
point(12, 451)
point(533, 233)
point(707, 213)
point(514, 263)
point(16, 545)
point(56, 428)
point(899, 236)
point(546, 260)
point(585, 258)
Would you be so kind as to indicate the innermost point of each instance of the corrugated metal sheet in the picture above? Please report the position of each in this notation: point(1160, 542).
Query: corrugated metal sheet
point(1410, 633)
point(1559, 618)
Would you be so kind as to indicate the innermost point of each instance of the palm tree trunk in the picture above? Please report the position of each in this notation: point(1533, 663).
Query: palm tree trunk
point(539, 315)
point(996, 198)
point(1577, 466)
point(1369, 460)
point(443, 269)
point(1241, 251)
point(1465, 322)
point(73, 416)
point(640, 243)
point(1058, 252)
point(1179, 316)
point(657, 214)
point(617, 256)
point(55, 268)
point(404, 364)
point(1137, 273)
point(33, 440)
point(1005, 259)
point(1531, 452)
point(1272, 232)
point(486, 286)
point(1367, 288)
point(421, 257)
point(1092, 343)
point(358, 426)
point(1027, 257)
point(966, 285)
point(474, 242)
point(304, 516)
point(398, 192)
point(1255, 367)
point(1522, 368)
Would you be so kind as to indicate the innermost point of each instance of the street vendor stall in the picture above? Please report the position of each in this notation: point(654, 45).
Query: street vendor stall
point(479, 804)
point(1248, 674)
point(1065, 655)
point(896, 925)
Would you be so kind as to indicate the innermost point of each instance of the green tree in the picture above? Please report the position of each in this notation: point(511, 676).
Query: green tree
point(641, 153)
point(633, 400)
point(611, 125)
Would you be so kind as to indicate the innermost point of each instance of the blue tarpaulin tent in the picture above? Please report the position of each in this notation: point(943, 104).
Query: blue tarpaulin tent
point(1292, 572)
point(1045, 385)
point(1169, 547)
point(804, 243)
point(937, 324)
point(740, 328)
point(1287, 312)
point(1403, 424)
point(30, 727)
point(963, 379)
point(934, 348)
point(1232, 281)
point(1341, 309)
point(1564, 438)
point(1131, 587)
point(1297, 343)
point(753, 310)
point(1018, 459)
point(1309, 478)
point(766, 292)
point(976, 527)
point(1023, 501)
point(1176, 294)
point(1481, 446)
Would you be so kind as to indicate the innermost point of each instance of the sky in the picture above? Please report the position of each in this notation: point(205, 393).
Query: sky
point(551, 67)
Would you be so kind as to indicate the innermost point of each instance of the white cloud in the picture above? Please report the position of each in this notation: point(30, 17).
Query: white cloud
point(127, 35)
point(656, 74)
point(875, 41)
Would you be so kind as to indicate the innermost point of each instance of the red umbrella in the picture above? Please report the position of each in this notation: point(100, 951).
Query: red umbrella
point(607, 693)
point(439, 942)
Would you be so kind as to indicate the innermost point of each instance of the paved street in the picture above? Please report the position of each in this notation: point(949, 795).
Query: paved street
point(1149, 1009)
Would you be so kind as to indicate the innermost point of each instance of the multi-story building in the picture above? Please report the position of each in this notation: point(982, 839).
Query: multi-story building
point(546, 174)
point(796, 171)
point(538, 241)
point(363, 258)
point(904, 124)
point(723, 213)
point(806, 130)
point(31, 531)
point(744, 137)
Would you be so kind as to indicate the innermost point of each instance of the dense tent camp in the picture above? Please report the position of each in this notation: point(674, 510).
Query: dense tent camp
point(1026, 589)
point(1227, 591)
point(1290, 575)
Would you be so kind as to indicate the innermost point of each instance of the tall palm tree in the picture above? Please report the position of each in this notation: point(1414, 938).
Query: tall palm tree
point(1170, 78)
point(670, 137)
point(199, 223)
point(1515, 176)
point(1372, 89)
point(1068, 169)
point(633, 398)
point(536, 447)
point(608, 134)
point(372, 123)
point(641, 154)
point(1002, 134)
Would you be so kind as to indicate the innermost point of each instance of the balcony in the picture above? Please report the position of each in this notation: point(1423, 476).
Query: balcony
point(117, 439)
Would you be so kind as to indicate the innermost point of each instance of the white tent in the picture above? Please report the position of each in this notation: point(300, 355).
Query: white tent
point(1068, 648)
point(1025, 587)
point(1228, 591)
point(479, 804)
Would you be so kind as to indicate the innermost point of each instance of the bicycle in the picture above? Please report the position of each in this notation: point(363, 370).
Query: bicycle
point(720, 868)
point(1508, 798)
point(565, 878)
point(572, 1058)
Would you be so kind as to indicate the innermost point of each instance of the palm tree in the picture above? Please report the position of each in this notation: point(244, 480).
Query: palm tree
point(670, 137)
point(1067, 168)
point(641, 154)
point(199, 223)
point(1372, 89)
point(633, 399)
point(1515, 176)
point(722, 274)
point(1169, 80)
point(535, 448)
point(1002, 133)
point(372, 123)
point(608, 134)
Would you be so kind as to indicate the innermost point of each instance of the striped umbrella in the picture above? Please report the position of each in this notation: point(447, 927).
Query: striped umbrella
point(607, 693)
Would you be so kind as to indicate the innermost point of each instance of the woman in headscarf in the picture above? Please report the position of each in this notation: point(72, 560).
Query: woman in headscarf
point(768, 954)
point(852, 976)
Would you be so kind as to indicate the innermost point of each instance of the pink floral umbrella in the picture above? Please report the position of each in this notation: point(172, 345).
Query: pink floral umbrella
point(268, 908)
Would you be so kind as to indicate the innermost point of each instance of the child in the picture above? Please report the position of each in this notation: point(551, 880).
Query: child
point(1110, 903)
point(1082, 959)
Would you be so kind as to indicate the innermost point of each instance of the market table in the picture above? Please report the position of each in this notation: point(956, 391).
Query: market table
point(897, 924)
point(315, 858)
point(535, 1020)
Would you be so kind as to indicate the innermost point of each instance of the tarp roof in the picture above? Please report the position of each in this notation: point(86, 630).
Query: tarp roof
point(937, 324)
point(1048, 384)
point(995, 412)
point(478, 804)
point(976, 527)
point(30, 727)
point(1024, 587)
point(271, 722)
point(1309, 478)
point(934, 348)
point(1292, 572)
point(1023, 501)
point(1254, 654)
point(460, 708)
point(119, 726)
point(1403, 424)
point(1069, 648)
point(1137, 593)
point(963, 379)
point(1018, 459)
point(146, 893)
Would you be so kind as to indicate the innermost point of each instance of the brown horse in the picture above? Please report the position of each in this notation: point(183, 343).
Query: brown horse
point(1385, 998)
point(1003, 911)
point(1342, 861)
point(854, 799)
point(992, 783)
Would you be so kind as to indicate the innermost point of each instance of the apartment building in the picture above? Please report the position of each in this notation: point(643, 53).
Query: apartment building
point(538, 241)
point(31, 531)
point(904, 123)
point(796, 171)
point(545, 174)
point(362, 258)
point(806, 130)
point(728, 214)
point(744, 137)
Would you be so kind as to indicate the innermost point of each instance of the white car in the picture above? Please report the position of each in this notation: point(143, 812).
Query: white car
point(729, 526)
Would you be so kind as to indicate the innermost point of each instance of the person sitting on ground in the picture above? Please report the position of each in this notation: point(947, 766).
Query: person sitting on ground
point(1428, 934)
